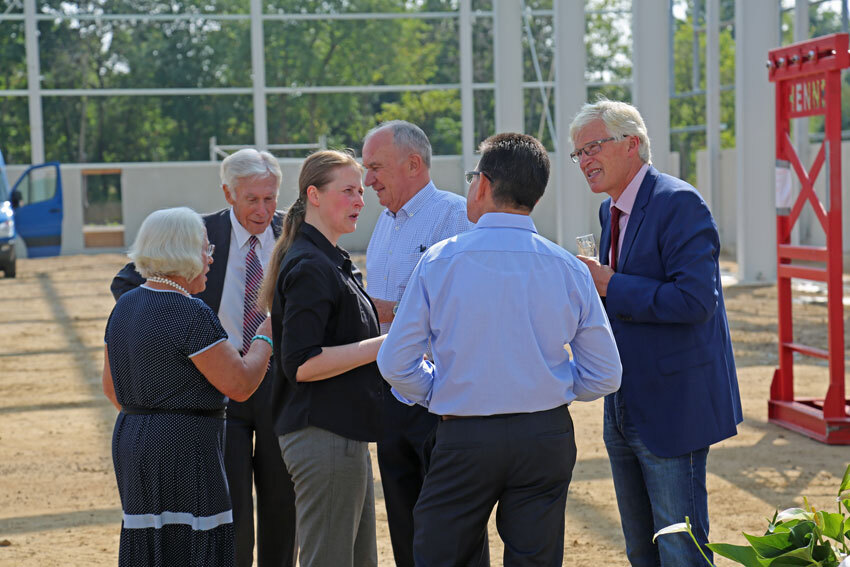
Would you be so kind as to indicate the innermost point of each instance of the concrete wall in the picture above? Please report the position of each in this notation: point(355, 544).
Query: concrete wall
point(146, 187)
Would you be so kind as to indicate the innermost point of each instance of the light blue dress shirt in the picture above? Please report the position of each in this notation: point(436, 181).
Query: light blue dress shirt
point(499, 303)
point(400, 239)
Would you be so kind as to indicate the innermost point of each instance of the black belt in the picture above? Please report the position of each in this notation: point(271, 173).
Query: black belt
point(219, 413)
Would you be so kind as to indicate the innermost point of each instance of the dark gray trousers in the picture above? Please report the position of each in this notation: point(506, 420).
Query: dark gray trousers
point(523, 463)
point(334, 498)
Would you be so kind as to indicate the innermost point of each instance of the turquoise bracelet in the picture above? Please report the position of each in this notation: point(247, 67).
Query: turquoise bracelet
point(263, 338)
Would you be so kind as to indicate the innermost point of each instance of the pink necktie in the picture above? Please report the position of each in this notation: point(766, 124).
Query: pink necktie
point(253, 278)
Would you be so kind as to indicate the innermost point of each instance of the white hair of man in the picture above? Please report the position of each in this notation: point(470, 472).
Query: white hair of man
point(406, 136)
point(248, 164)
point(170, 243)
point(620, 118)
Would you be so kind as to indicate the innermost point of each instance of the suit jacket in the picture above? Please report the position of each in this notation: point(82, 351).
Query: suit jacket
point(218, 231)
point(665, 305)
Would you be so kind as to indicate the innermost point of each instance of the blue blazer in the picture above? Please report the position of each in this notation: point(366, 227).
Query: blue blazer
point(665, 305)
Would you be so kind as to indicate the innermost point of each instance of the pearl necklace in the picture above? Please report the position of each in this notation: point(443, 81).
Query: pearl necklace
point(167, 281)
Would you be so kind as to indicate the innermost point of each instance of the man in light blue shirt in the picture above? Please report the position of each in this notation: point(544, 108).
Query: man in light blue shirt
point(499, 305)
point(397, 157)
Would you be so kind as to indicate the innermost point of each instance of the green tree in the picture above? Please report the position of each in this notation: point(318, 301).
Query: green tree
point(14, 124)
point(689, 110)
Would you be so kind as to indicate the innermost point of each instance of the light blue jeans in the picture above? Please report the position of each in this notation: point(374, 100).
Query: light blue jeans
point(654, 492)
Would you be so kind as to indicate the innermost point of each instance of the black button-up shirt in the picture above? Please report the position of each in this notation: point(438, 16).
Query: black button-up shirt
point(319, 302)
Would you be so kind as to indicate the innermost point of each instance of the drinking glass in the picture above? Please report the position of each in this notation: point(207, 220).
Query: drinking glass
point(587, 246)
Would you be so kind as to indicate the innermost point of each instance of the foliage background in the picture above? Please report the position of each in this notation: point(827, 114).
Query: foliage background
point(121, 54)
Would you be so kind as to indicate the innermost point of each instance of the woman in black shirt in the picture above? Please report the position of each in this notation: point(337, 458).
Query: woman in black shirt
point(327, 394)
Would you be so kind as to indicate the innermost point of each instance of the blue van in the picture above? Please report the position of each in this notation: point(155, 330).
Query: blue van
point(30, 214)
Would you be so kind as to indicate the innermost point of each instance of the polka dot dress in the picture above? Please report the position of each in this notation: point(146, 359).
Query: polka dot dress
point(169, 466)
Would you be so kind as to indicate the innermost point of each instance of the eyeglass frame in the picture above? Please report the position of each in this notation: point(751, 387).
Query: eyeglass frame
point(210, 250)
point(576, 155)
point(470, 175)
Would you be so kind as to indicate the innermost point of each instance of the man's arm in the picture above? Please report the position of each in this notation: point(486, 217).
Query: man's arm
point(126, 280)
point(400, 358)
point(595, 364)
point(385, 309)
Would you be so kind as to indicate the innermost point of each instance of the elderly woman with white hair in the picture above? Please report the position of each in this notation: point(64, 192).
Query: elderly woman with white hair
point(168, 367)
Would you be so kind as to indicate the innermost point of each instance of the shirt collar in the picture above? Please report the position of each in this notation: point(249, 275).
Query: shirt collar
point(265, 238)
point(505, 220)
point(336, 254)
point(415, 203)
point(627, 197)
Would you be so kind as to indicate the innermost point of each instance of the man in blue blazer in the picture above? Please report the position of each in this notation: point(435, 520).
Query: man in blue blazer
point(659, 276)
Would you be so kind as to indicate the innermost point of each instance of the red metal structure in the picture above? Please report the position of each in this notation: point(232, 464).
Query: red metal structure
point(808, 83)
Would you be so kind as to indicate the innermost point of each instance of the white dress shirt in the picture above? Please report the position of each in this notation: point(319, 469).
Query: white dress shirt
point(231, 310)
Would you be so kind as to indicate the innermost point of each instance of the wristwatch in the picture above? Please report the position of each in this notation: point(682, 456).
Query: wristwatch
point(395, 309)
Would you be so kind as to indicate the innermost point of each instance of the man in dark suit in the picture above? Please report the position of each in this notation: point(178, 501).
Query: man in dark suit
point(244, 236)
point(660, 279)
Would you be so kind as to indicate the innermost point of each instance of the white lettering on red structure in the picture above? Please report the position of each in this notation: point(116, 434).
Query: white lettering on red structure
point(807, 96)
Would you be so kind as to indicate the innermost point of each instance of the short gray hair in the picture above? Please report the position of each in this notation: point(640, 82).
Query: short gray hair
point(248, 164)
point(620, 118)
point(170, 242)
point(406, 136)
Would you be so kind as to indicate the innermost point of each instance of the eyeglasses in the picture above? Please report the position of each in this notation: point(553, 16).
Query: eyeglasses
point(210, 250)
point(592, 148)
point(470, 175)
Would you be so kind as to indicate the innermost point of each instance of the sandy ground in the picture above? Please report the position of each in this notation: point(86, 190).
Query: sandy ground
point(58, 500)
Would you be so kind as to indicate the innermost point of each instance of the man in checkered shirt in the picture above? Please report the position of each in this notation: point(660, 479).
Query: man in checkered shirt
point(397, 157)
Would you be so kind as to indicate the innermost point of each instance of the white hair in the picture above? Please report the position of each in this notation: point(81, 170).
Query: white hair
point(406, 136)
point(170, 242)
point(248, 164)
point(620, 119)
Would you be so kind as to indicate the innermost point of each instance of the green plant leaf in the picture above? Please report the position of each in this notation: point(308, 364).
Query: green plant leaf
point(803, 534)
point(833, 524)
point(807, 555)
point(845, 482)
point(792, 562)
point(771, 545)
point(782, 528)
point(742, 554)
point(824, 552)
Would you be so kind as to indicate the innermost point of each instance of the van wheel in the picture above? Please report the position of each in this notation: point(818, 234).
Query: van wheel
point(9, 270)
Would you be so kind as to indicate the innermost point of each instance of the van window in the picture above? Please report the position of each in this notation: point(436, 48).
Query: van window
point(38, 186)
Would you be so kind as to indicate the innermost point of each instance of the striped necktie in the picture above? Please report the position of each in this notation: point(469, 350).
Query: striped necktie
point(253, 278)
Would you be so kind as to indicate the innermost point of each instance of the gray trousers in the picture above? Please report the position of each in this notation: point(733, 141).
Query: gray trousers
point(334, 498)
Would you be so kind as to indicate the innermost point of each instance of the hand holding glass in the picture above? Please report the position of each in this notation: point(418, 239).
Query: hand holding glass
point(587, 246)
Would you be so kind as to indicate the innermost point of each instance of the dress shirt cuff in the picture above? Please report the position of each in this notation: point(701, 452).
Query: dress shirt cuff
point(416, 388)
point(401, 398)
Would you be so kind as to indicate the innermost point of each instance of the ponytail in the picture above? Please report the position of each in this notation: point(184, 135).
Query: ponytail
point(291, 225)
